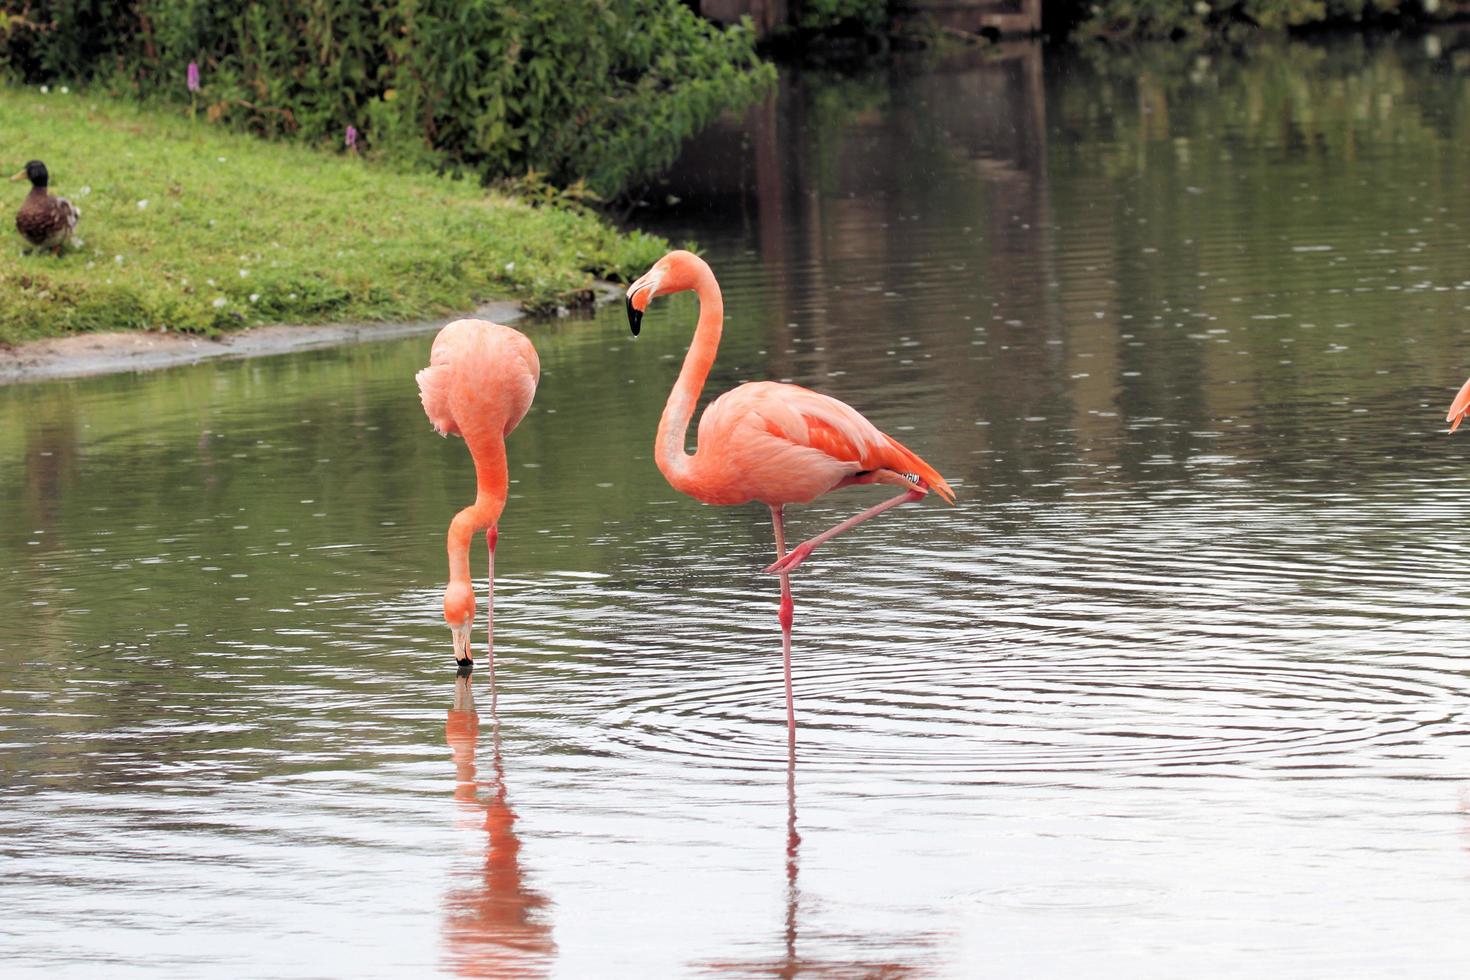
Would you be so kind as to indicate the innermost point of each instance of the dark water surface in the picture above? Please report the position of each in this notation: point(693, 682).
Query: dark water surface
point(1179, 689)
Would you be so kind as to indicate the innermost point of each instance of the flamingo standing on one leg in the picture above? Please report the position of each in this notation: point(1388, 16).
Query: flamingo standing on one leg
point(479, 384)
point(776, 443)
point(1460, 407)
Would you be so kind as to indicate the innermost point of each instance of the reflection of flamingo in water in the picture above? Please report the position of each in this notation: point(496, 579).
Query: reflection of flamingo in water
point(497, 926)
point(479, 384)
point(776, 443)
point(792, 964)
point(793, 855)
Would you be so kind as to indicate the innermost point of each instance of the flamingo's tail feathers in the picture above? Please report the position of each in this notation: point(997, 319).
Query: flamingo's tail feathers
point(909, 461)
point(434, 393)
point(1459, 406)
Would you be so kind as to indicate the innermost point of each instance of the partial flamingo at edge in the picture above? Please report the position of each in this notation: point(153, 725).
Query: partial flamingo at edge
point(1460, 407)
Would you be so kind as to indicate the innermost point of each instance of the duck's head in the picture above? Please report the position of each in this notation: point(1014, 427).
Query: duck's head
point(35, 172)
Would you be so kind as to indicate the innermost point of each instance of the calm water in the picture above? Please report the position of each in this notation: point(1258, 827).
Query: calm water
point(1178, 689)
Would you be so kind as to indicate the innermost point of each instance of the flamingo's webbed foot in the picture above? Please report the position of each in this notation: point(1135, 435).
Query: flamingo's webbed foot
point(797, 555)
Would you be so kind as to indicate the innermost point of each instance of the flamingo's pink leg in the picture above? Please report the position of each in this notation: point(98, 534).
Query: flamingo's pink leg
point(492, 536)
point(786, 615)
point(804, 550)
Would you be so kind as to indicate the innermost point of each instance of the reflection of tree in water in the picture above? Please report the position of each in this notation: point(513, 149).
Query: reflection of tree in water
point(496, 925)
point(49, 469)
point(1115, 244)
point(887, 202)
point(792, 963)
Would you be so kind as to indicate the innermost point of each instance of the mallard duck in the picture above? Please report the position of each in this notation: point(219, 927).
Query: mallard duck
point(44, 221)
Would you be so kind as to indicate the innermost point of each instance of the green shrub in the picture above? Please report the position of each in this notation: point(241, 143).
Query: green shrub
point(605, 90)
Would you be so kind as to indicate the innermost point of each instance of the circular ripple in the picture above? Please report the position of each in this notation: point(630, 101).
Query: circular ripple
point(1071, 896)
point(1090, 715)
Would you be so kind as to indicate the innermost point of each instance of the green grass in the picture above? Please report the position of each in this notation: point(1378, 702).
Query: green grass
point(189, 227)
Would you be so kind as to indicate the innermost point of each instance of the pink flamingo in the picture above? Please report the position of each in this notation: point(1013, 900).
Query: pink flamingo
point(1459, 408)
point(479, 384)
point(776, 443)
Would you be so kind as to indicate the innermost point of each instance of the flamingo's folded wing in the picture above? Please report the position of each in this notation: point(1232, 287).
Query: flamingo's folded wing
point(841, 432)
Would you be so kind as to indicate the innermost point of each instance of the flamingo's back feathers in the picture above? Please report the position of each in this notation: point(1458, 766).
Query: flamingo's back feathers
point(434, 382)
point(479, 374)
point(839, 435)
point(783, 442)
point(911, 463)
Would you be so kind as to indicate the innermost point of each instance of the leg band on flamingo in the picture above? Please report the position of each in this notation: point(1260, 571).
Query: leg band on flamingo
point(465, 667)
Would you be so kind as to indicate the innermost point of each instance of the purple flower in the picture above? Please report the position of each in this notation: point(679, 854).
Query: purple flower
point(193, 78)
point(350, 137)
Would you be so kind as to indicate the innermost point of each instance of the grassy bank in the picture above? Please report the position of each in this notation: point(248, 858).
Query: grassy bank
point(188, 227)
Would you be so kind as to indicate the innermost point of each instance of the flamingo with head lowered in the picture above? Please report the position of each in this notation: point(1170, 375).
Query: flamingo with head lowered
point(764, 441)
point(479, 384)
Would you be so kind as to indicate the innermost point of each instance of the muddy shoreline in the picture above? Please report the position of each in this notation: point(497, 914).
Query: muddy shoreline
point(83, 355)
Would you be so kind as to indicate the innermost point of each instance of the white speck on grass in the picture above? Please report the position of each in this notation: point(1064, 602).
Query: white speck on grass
point(142, 204)
point(219, 302)
point(255, 297)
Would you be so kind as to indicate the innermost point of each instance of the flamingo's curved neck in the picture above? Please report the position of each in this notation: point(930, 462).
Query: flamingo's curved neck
point(669, 452)
point(491, 482)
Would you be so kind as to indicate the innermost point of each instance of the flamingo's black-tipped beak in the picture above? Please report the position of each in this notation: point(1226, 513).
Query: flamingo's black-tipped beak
point(461, 635)
point(635, 317)
point(643, 289)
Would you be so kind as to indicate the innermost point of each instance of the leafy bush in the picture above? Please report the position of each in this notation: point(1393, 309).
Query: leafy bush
point(605, 90)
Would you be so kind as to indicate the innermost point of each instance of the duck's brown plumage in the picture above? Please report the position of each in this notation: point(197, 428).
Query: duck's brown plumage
point(44, 221)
